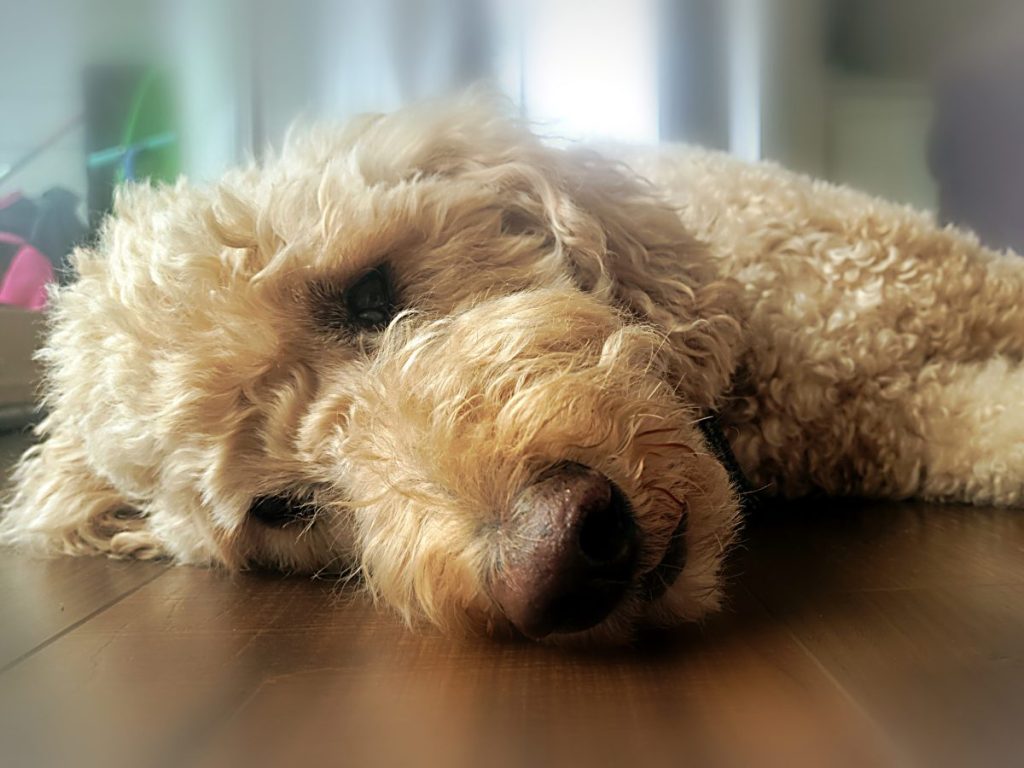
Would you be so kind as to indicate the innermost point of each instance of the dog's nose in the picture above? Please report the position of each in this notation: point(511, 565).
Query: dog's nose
point(570, 553)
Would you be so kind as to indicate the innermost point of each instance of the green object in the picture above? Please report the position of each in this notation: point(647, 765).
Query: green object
point(117, 154)
point(149, 146)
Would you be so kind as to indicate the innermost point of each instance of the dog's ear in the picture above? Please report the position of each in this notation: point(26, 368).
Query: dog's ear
point(624, 242)
point(445, 137)
point(60, 506)
point(617, 237)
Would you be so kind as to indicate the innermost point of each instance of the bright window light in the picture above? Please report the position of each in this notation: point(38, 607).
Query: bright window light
point(589, 69)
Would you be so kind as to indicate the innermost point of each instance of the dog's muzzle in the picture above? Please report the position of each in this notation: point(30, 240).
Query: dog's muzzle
point(570, 555)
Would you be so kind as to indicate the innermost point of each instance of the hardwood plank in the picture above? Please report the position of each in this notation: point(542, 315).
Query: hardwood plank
point(722, 697)
point(918, 612)
point(42, 598)
point(943, 670)
point(831, 546)
point(201, 667)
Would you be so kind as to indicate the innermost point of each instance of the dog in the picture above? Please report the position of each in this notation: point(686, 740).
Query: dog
point(512, 388)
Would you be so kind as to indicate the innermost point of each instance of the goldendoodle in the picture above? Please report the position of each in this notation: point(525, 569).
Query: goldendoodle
point(491, 378)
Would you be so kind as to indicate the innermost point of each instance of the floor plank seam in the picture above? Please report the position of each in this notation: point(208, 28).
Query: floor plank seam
point(75, 625)
point(885, 740)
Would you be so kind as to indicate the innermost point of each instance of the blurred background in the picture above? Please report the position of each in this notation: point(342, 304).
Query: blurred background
point(920, 101)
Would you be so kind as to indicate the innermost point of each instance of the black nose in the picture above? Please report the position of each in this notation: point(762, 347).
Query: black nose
point(569, 552)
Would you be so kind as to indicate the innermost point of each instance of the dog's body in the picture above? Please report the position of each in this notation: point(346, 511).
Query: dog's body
point(428, 349)
point(881, 354)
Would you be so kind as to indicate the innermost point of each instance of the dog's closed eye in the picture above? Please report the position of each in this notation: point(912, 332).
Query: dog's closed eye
point(368, 304)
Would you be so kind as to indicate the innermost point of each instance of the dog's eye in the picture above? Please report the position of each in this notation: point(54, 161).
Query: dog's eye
point(369, 301)
point(279, 511)
point(366, 305)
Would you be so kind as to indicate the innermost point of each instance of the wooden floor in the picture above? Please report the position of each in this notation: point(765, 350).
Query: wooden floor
point(857, 635)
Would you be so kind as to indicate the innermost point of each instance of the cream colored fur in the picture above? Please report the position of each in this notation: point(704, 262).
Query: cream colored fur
point(556, 307)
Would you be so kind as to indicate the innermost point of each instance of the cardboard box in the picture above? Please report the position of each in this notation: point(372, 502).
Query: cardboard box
point(21, 332)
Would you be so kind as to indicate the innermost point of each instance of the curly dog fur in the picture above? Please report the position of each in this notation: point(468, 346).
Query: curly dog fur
point(555, 305)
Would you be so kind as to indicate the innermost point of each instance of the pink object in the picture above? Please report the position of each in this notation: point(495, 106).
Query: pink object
point(30, 272)
point(8, 200)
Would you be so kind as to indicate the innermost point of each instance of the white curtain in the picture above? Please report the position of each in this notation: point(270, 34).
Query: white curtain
point(623, 70)
point(580, 68)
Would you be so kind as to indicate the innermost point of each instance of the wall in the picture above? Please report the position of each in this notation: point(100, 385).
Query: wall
point(39, 92)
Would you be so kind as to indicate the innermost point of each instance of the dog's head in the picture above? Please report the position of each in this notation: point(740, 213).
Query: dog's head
point(424, 348)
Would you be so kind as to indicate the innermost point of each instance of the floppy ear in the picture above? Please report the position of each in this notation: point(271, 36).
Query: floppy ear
point(619, 239)
point(626, 243)
point(60, 506)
